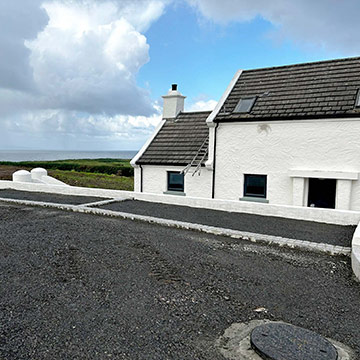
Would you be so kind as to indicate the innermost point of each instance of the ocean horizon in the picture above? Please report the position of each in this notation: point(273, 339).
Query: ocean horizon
point(48, 155)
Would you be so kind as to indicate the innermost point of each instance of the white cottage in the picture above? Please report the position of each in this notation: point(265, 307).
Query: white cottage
point(286, 135)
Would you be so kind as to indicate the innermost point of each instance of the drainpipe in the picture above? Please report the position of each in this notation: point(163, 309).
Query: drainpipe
point(141, 178)
point(214, 164)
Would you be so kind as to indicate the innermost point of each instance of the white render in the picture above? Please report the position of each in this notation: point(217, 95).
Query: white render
point(173, 104)
point(355, 252)
point(289, 152)
point(155, 181)
point(22, 176)
point(37, 175)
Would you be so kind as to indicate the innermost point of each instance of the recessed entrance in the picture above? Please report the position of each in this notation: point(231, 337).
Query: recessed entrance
point(322, 193)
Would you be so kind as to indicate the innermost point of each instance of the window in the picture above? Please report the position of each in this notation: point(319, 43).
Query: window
point(255, 186)
point(357, 104)
point(175, 181)
point(245, 105)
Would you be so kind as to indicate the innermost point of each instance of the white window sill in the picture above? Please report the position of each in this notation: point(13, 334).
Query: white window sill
point(254, 199)
point(170, 192)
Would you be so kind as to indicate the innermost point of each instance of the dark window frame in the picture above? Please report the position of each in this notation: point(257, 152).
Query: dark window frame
point(246, 184)
point(169, 186)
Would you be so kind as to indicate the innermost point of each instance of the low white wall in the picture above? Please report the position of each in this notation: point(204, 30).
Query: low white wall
point(155, 181)
point(66, 190)
point(355, 252)
point(330, 216)
point(341, 217)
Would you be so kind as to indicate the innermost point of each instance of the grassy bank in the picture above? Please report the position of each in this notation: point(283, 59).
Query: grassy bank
point(98, 173)
point(102, 166)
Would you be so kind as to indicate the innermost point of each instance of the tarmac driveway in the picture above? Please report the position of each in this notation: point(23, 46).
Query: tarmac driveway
point(78, 286)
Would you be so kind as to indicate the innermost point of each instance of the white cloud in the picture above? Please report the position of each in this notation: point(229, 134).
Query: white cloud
point(70, 69)
point(19, 20)
point(203, 105)
point(55, 128)
point(331, 24)
point(87, 58)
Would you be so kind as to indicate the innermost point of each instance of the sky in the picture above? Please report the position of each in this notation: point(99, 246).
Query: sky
point(89, 74)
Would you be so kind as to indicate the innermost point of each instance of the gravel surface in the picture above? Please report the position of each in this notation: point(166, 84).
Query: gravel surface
point(48, 197)
point(79, 286)
point(293, 229)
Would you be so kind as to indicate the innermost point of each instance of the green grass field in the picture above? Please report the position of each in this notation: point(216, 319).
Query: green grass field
point(98, 173)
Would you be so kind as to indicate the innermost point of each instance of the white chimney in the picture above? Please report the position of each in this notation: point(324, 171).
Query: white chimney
point(173, 103)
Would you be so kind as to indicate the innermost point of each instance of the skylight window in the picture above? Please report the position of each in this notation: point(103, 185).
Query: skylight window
point(357, 103)
point(245, 105)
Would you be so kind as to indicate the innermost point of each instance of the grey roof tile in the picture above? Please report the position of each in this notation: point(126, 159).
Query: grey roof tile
point(323, 89)
point(178, 141)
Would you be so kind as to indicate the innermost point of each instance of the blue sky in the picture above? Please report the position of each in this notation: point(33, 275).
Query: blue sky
point(202, 56)
point(89, 74)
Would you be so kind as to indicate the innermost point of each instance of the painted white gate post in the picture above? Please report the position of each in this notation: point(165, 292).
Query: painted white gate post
point(298, 191)
point(343, 194)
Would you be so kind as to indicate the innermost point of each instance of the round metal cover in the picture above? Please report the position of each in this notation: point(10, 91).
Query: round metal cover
point(277, 341)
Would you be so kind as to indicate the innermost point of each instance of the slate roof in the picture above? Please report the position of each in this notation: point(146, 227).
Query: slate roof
point(178, 141)
point(311, 90)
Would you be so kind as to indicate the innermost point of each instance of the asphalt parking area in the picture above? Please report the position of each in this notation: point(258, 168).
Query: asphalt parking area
point(268, 225)
point(80, 286)
point(48, 197)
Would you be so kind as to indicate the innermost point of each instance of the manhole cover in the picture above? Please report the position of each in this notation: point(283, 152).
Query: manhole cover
point(277, 341)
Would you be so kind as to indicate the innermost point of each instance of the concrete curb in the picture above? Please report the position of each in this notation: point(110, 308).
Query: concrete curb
point(103, 202)
point(355, 252)
point(235, 234)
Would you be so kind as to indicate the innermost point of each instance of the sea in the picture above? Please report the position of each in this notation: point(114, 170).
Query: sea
point(45, 155)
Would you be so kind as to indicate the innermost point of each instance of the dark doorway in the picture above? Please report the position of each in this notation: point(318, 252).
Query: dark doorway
point(322, 193)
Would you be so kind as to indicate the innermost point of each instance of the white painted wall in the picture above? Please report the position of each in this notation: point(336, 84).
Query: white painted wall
point(276, 148)
point(37, 175)
point(137, 178)
point(155, 181)
point(173, 104)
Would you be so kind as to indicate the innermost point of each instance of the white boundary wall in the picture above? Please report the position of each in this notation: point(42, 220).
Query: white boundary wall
point(66, 190)
point(340, 217)
point(355, 252)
